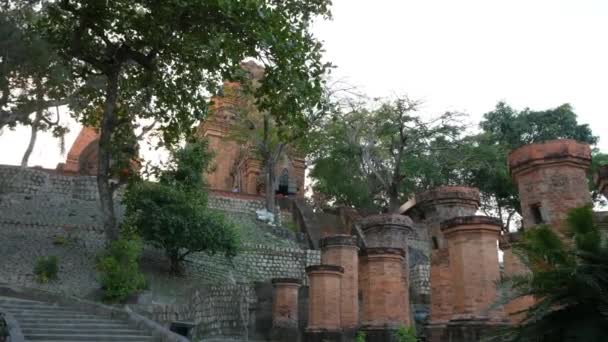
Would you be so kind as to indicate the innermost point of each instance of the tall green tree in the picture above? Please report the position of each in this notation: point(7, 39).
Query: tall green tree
point(160, 60)
point(568, 278)
point(34, 81)
point(377, 157)
point(503, 130)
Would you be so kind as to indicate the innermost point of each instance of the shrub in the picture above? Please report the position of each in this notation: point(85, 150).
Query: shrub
point(172, 214)
point(119, 270)
point(46, 269)
point(406, 334)
point(360, 337)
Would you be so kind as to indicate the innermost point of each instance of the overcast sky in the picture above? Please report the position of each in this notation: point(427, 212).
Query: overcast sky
point(455, 55)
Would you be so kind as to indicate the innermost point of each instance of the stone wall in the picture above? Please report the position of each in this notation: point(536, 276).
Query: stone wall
point(254, 263)
point(235, 202)
point(40, 197)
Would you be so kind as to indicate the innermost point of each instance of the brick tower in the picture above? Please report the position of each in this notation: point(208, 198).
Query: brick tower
point(551, 178)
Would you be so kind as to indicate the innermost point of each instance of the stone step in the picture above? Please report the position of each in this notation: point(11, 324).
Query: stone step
point(81, 330)
point(24, 321)
point(35, 314)
point(86, 337)
point(40, 308)
point(69, 325)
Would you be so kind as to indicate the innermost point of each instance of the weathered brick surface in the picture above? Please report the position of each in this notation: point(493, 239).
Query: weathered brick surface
point(393, 231)
point(552, 177)
point(384, 297)
point(342, 250)
point(472, 244)
point(324, 297)
point(428, 210)
point(285, 302)
point(514, 266)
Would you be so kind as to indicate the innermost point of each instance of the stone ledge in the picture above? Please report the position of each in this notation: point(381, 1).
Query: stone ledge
point(560, 151)
point(383, 251)
point(294, 281)
point(373, 221)
point(449, 194)
point(325, 268)
point(338, 240)
point(470, 221)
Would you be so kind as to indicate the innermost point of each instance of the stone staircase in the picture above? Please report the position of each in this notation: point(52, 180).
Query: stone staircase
point(41, 321)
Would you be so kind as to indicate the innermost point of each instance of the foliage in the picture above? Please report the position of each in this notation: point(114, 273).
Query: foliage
point(568, 279)
point(360, 337)
point(159, 60)
point(503, 130)
point(33, 79)
point(377, 157)
point(46, 269)
point(406, 334)
point(119, 270)
point(172, 214)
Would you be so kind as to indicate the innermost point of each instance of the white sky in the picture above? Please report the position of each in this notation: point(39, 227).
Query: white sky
point(455, 55)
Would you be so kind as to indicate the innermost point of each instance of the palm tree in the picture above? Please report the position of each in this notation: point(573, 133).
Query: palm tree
point(568, 279)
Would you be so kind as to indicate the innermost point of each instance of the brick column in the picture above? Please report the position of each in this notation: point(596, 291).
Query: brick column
point(551, 178)
point(429, 209)
point(472, 242)
point(285, 309)
point(253, 168)
point(342, 250)
point(385, 300)
point(391, 231)
point(324, 303)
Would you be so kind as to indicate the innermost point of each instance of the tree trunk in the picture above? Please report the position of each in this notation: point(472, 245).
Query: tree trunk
point(30, 146)
point(34, 126)
point(393, 200)
point(270, 193)
point(108, 123)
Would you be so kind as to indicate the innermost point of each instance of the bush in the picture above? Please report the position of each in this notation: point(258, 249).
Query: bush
point(119, 270)
point(360, 337)
point(172, 214)
point(406, 335)
point(46, 269)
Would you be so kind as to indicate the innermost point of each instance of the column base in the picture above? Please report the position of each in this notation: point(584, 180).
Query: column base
point(471, 329)
point(380, 333)
point(291, 334)
point(323, 335)
point(437, 332)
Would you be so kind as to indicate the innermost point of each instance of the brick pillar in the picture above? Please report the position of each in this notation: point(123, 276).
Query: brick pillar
point(472, 242)
point(551, 178)
point(285, 309)
point(342, 250)
point(391, 231)
point(324, 303)
point(429, 209)
point(385, 300)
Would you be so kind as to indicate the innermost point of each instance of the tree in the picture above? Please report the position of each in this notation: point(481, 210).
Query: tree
point(378, 157)
point(159, 60)
point(568, 278)
point(33, 79)
point(503, 130)
point(260, 133)
point(172, 214)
